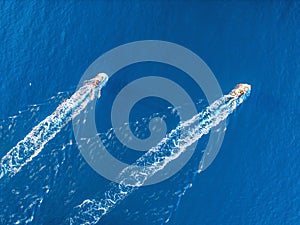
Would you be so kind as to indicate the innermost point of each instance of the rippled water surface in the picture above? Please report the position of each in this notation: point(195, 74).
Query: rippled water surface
point(45, 49)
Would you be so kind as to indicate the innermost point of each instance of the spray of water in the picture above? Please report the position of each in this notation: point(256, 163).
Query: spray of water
point(41, 134)
point(168, 149)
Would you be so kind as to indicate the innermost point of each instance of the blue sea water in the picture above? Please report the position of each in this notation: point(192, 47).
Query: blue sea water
point(46, 47)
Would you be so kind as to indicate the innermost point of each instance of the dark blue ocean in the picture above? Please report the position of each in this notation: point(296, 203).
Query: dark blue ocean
point(46, 46)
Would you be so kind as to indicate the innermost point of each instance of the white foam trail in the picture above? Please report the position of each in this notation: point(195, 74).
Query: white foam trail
point(35, 140)
point(168, 149)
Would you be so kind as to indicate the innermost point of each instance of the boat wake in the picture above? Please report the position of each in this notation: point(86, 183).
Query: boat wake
point(40, 135)
point(90, 211)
